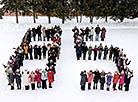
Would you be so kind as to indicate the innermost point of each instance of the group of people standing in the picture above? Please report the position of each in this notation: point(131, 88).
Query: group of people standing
point(87, 34)
point(27, 51)
point(123, 74)
point(102, 78)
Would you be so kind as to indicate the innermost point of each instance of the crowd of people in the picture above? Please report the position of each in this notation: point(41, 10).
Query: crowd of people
point(26, 51)
point(88, 33)
point(102, 78)
point(123, 74)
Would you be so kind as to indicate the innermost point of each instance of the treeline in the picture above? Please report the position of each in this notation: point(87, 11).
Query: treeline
point(69, 9)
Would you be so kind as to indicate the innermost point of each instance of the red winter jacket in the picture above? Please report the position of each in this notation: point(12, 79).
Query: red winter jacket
point(50, 76)
point(116, 78)
point(38, 76)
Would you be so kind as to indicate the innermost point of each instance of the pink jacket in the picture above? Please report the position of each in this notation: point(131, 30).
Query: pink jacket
point(90, 77)
point(121, 79)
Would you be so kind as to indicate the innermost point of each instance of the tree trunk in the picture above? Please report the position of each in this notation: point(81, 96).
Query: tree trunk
point(63, 20)
point(34, 16)
point(91, 19)
point(80, 18)
point(49, 19)
point(105, 18)
point(34, 13)
point(63, 17)
point(16, 12)
point(77, 18)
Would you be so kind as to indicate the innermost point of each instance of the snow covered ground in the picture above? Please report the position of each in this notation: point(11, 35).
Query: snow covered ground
point(66, 88)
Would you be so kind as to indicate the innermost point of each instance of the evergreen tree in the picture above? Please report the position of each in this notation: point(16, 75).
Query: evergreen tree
point(11, 6)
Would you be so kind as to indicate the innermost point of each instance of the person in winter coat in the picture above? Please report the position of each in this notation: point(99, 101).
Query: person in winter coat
point(83, 80)
point(128, 80)
point(38, 78)
point(50, 78)
point(44, 49)
point(11, 78)
point(91, 34)
point(90, 78)
point(97, 31)
point(90, 49)
point(25, 47)
point(44, 77)
point(78, 51)
point(103, 33)
point(95, 52)
point(30, 51)
point(39, 33)
point(84, 50)
point(96, 78)
point(25, 76)
point(115, 80)
point(29, 35)
point(87, 30)
point(105, 52)
point(100, 50)
point(48, 34)
point(34, 33)
point(7, 70)
point(35, 52)
point(121, 81)
point(18, 78)
point(109, 80)
point(102, 79)
point(44, 33)
point(39, 52)
point(32, 79)
point(111, 52)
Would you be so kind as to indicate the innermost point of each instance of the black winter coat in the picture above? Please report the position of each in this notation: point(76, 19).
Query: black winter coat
point(97, 30)
point(83, 79)
point(18, 77)
point(96, 77)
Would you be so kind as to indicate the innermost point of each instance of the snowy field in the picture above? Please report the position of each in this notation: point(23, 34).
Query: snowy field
point(66, 88)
